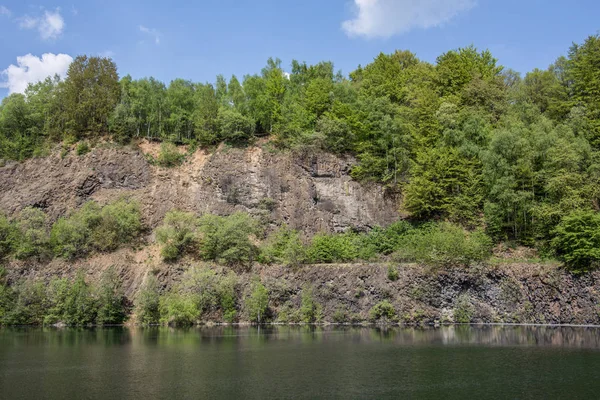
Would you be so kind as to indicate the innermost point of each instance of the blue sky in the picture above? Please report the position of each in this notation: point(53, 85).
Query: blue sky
point(199, 39)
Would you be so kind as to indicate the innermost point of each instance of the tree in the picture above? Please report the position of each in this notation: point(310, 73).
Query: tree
point(577, 240)
point(584, 70)
point(32, 234)
point(147, 301)
point(111, 308)
point(235, 127)
point(177, 234)
point(89, 95)
point(257, 302)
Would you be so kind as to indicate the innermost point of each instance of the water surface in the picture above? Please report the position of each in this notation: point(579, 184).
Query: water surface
point(459, 362)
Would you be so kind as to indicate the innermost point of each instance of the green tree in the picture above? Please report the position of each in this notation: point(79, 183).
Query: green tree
point(257, 301)
point(577, 240)
point(89, 95)
point(177, 234)
point(147, 301)
point(111, 299)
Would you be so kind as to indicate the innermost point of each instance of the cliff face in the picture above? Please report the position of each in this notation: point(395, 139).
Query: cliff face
point(310, 192)
point(510, 293)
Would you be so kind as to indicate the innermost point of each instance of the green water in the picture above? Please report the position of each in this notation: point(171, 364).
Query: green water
point(460, 362)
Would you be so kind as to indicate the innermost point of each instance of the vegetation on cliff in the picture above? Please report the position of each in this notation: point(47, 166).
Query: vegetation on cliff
point(464, 140)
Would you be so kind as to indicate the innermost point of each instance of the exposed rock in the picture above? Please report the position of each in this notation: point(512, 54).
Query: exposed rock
point(311, 192)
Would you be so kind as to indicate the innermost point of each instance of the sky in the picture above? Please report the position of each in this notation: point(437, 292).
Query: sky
point(197, 40)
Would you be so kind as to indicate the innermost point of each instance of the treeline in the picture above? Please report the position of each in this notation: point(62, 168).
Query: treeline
point(464, 140)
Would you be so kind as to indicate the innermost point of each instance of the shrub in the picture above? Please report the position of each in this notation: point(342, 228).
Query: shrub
point(72, 302)
point(340, 316)
point(111, 299)
point(387, 240)
point(70, 236)
point(283, 246)
point(26, 303)
point(210, 291)
point(310, 310)
point(577, 240)
point(326, 248)
point(93, 227)
point(235, 127)
point(392, 273)
point(444, 244)
point(120, 223)
point(463, 311)
point(32, 234)
point(82, 148)
point(6, 302)
point(177, 234)
point(147, 301)
point(227, 239)
point(169, 155)
point(383, 310)
point(257, 302)
point(7, 233)
point(226, 292)
point(178, 309)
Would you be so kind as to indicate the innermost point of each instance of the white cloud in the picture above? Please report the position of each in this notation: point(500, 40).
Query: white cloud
point(50, 25)
point(152, 32)
point(5, 11)
point(385, 18)
point(32, 69)
point(107, 54)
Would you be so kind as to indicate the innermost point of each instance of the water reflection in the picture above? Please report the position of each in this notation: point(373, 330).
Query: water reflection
point(485, 335)
point(299, 362)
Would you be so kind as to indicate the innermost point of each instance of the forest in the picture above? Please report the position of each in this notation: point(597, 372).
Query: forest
point(464, 141)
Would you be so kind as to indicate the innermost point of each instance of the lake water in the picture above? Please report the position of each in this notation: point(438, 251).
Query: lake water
point(457, 362)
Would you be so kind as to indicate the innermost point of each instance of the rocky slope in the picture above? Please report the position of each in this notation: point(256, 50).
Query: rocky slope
point(310, 191)
point(507, 293)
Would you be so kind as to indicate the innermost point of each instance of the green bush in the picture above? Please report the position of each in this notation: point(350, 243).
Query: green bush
point(392, 273)
point(228, 239)
point(463, 311)
point(234, 126)
point(210, 291)
point(26, 303)
point(82, 148)
point(72, 303)
point(577, 240)
point(6, 302)
point(146, 304)
point(7, 236)
point(169, 155)
point(383, 311)
point(31, 234)
point(331, 248)
point(177, 234)
point(386, 240)
point(93, 227)
point(120, 223)
point(283, 246)
point(310, 310)
point(70, 236)
point(227, 297)
point(178, 309)
point(111, 299)
point(257, 301)
point(444, 244)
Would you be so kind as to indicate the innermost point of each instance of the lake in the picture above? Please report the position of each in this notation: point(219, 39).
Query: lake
point(301, 362)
